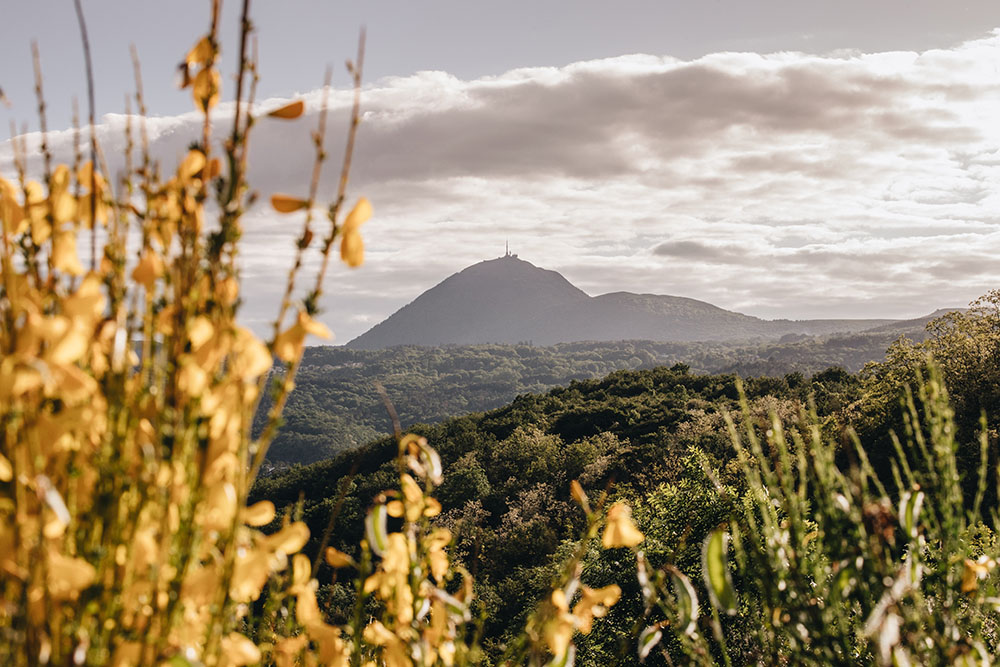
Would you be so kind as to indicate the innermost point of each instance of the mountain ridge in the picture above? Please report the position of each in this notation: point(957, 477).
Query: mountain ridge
point(510, 300)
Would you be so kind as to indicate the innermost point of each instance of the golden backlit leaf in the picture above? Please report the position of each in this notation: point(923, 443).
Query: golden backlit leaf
point(314, 327)
point(289, 111)
point(205, 90)
point(7, 471)
point(83, 210)
point(15, 382)
point(432, 508)
point(87, 303)
point(214, 169)
point(287, 203)
point(338, 559)
point(201, 53)
point(360, 214)
point(306, 609)
point(438, 564)
point(352, 249)
point(579, 495)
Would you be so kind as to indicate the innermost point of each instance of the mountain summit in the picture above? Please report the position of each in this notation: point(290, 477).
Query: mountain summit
point(509, 300)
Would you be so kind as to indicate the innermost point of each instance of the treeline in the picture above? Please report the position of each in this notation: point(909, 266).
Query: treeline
point(336, 405)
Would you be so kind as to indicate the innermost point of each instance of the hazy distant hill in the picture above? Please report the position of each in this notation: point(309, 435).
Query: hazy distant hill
point(509, 300)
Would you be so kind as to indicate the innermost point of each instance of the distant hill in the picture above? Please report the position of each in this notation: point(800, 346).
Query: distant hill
point(915, 328)
point(509, 300)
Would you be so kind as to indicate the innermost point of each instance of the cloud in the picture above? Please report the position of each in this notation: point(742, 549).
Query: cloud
point(784, 185)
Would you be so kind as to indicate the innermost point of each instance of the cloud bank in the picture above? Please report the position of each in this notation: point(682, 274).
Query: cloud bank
point(780, 185)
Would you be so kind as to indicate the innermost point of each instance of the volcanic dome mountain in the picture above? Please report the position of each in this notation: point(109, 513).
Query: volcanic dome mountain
point(509, 300)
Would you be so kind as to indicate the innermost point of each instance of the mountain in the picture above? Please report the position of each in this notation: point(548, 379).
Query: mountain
point(509, 300)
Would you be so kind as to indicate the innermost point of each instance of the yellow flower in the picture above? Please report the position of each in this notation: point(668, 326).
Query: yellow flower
point(974, 570)
point(394, 652)
point(68, 576)
point(192, 165)
point(205, 91)
point(249, 574)
point(64, 256)
point(289, 539)
point(619, 531)
point(335, 558)
point(149, 268)
point(594, 603)
point(436, 555)
point(287, 649)
point(11, 213)
point(238, 650)
point(6, 470)
point(259, 514)
point(352, 247)
point(560, 628)
point(201, 53)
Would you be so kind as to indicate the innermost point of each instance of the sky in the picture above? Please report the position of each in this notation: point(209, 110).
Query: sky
point(782, 158)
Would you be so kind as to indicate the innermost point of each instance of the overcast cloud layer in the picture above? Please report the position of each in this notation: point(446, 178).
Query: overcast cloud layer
point(780, 185)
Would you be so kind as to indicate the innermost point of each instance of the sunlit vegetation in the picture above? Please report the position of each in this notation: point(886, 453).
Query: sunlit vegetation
point(650, 514)
point(803, 507)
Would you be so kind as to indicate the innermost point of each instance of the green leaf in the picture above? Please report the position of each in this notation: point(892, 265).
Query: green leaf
point(687, 601)
point(375, 529)
point(715, 569)
point(909, 511)
point(648, 639)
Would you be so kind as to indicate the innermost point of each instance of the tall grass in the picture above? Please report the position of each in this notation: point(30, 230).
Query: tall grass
point(825, 564)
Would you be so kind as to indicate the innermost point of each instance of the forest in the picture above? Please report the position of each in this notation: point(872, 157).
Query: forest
point(336, 405)
point(657, 439)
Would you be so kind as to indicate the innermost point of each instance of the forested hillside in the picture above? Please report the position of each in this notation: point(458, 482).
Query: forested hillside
point(336, 406)
point(645, 434)
point(657, 438)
